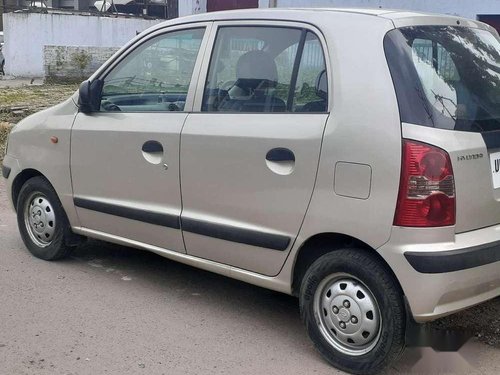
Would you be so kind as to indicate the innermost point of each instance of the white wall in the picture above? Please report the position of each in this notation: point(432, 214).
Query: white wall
point(27, 33)
point(464, 8)
point(188, 7)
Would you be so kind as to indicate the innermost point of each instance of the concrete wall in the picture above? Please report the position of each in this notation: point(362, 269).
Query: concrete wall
point(74, 63)
point(26, 35)
point(464, 8)
point(188, 7)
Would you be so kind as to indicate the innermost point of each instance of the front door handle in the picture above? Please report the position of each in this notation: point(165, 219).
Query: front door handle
point(280, 154)
point(152, 151)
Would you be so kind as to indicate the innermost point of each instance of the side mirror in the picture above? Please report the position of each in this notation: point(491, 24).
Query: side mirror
point(89, 98)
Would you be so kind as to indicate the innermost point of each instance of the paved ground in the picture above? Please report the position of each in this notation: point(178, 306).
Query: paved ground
point(114, 310)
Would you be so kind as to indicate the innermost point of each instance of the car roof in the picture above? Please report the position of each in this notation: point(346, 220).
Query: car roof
point(398, 17)
point(281, 13)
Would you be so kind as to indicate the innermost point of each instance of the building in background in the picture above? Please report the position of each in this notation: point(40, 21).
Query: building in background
point(60, 45)
point(71, 38)
point(161, 9)
point(483, 10)
point(76, 29)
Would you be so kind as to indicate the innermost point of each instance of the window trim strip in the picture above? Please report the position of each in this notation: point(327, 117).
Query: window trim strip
point(295, 71)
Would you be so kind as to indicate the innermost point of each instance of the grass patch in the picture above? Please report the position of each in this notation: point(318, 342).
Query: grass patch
point(51, 94)
point(4, 133)
point(31, 99)
point(17, 103)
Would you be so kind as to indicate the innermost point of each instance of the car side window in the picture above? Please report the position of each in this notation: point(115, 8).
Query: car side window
point(156, 76)
point(311, 89)
point(253, 69)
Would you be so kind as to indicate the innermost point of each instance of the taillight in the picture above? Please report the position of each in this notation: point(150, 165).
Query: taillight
point(426, 189)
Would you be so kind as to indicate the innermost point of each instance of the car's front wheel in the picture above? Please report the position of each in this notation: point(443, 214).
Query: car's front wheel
point(353, 310)
point(42, 221)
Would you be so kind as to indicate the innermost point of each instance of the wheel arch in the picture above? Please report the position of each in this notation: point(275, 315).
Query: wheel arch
point(324, 243)
point(20, 180)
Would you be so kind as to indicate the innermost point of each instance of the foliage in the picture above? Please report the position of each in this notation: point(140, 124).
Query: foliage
point(81, 59)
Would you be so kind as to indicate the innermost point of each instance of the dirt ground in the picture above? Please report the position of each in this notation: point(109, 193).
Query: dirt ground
point(19, 101)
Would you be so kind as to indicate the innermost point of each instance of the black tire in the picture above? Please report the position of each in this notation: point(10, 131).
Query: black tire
point(57, 248)
point(368, 269)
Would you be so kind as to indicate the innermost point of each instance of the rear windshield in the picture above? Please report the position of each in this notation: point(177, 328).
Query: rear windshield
point(446, 77)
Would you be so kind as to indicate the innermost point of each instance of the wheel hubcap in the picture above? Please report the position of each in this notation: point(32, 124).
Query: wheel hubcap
point(40, 219)
point(347, 314)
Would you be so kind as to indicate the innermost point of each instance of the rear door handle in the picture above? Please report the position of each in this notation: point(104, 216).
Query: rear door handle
point(152, 151)
point(280, 154)
point(152, 147)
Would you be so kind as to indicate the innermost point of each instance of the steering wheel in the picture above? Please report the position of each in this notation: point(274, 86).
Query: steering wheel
point(172, 107)
point(110, 106)
point(227, 85)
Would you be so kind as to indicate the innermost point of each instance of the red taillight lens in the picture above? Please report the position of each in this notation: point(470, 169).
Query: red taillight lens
point(426, 189)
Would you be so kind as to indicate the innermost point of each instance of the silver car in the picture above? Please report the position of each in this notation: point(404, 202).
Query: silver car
point(347, 157)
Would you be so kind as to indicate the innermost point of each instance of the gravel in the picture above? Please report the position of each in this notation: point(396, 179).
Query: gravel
point(483, 320)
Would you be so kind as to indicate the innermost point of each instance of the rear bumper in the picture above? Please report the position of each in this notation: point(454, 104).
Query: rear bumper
point(454, 260)
point(439, 278)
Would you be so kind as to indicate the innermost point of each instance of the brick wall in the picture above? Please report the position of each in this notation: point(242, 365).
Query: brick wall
point(71, 63)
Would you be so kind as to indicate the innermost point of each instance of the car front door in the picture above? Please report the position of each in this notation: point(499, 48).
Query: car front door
point(249, 155)
point(125, 157)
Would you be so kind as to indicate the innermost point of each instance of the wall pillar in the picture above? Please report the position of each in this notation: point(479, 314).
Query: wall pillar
point(81, 5)
point(53, 3)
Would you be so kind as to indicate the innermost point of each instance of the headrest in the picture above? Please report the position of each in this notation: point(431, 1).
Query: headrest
point(256, 65)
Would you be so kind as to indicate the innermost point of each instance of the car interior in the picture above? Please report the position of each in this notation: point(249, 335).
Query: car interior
point(261, 80)
point(251, 70)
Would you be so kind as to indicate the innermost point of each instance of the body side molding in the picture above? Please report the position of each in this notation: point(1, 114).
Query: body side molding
point(224, 232)
point(234, 234)
point(166, 220)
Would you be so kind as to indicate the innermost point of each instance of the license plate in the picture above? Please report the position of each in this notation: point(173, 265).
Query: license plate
point(495, 169)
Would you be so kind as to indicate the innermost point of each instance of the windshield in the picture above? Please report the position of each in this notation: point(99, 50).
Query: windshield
point(447, 77)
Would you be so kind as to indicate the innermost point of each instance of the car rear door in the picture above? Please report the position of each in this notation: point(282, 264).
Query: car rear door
point(250, 151)
point(125, 157)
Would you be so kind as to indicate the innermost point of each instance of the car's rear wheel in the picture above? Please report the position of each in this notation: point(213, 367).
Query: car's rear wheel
point(353, 310)
point(42, 221)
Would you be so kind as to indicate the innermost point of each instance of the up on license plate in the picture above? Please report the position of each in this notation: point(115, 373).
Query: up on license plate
point(495, 168)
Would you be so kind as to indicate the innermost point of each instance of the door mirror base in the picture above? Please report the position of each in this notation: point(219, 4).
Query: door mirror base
point(89, 97)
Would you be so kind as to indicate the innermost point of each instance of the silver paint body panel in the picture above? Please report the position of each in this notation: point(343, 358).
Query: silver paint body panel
point(116, 172)
point(217, 170)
